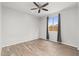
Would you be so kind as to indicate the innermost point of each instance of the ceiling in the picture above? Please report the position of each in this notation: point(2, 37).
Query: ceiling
point(26, 6)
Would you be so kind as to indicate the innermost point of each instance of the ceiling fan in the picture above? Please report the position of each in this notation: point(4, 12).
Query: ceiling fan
point(40, 7)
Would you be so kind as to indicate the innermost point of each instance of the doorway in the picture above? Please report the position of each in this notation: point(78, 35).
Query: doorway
point(53, 28)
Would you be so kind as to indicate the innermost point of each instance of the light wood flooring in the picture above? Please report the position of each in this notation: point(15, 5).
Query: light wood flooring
point(39, 47)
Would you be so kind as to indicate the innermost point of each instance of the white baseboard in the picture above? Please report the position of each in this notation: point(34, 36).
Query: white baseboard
point(14, 43)
point(69, 44)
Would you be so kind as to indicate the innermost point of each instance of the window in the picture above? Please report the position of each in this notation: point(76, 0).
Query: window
point(53, 23)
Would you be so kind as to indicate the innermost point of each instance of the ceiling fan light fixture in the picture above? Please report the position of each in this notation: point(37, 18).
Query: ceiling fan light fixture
point(40, 7)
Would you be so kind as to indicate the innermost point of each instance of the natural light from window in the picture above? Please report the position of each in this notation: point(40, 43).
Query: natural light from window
point(53, 23)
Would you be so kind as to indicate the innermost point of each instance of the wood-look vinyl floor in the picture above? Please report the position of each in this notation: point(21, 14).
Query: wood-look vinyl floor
point(39, 47)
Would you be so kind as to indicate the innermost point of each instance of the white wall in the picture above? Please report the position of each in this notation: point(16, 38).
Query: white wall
point(68, 31)
point(43, 27)
point(68, 25)
point(0, 27)
point(18, 27)
point(78, 26)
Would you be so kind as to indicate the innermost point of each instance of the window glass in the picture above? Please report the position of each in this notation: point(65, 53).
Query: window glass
point(53, 23)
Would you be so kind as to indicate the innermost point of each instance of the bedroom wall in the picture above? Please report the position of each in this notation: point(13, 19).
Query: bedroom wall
point(0, 27)
point(78, 26)
point(18, 27)
point(68, 27)
point(43, 24)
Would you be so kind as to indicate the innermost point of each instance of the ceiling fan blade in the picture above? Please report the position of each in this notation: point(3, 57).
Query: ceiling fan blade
point(39, 11)
point(34, 8)
point(44, 9)
point(36, 4)
point(45, 5)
